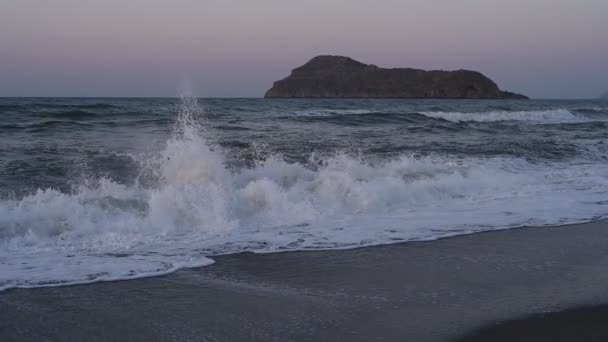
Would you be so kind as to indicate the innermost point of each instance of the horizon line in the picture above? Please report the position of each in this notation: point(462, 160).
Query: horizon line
point(262, 97)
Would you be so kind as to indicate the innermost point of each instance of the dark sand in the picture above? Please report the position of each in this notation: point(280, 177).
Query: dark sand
point(420, 291)
point(587, 324)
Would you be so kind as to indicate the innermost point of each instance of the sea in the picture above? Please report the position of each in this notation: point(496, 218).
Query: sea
point(102, 189)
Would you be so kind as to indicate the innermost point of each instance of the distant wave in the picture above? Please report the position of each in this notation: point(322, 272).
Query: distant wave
point(81, 106)
point(55, 108)
point(8, 107)
point(46, 124)
point(70, 114)
point(592, 110)
point(9, 127)
point(330, 112)
point(545, 116)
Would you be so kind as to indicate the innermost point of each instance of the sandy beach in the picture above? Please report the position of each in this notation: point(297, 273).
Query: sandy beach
point(579, 324)
point(441, 290)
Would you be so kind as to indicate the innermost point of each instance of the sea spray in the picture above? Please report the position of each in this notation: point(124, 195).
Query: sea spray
point(193, 206)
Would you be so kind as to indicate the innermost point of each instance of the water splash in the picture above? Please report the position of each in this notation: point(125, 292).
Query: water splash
point(195, 207)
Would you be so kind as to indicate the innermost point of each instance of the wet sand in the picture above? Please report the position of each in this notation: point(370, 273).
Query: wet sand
point(420, 291)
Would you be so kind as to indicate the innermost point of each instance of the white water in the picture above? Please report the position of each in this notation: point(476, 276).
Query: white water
point(198, 208)
point(554, 116)
point(331, 112)
point(546, 116)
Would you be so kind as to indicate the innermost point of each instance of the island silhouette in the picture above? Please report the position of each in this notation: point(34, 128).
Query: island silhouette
point(343, 77)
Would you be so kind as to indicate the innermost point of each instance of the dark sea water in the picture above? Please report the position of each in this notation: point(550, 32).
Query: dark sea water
point(101, 189)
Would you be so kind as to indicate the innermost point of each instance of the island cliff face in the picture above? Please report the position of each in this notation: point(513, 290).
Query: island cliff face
point(344, 77)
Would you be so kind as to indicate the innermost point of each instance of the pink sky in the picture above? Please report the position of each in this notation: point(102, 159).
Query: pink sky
point(543, 48)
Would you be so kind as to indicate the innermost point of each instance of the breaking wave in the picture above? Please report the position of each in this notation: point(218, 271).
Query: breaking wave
point(545, 116)
point(331, 112)
point(188, 206)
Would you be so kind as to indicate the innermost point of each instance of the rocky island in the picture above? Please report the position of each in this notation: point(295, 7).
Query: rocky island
point(344, 77)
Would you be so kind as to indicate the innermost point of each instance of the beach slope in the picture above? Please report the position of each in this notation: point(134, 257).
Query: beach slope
point(440, 290)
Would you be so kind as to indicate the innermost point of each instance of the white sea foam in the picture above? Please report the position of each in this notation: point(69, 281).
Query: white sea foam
point(198, 208)
point(545, 116)
point(330, 112)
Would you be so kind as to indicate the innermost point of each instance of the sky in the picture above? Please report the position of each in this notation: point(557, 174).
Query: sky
point(230, 48)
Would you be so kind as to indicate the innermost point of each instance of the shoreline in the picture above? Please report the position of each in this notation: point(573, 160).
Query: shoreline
point(213, 258)
point(438, 290)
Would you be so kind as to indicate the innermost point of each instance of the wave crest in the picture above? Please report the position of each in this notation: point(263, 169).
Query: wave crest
point(546, 116)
